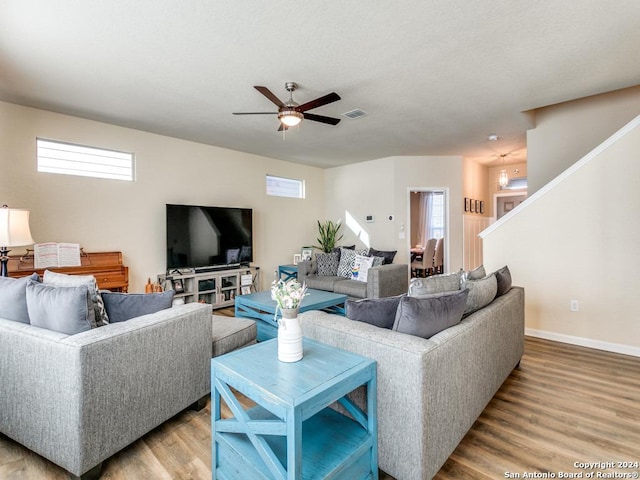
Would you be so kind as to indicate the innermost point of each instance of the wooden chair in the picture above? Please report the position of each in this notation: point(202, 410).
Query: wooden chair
point(438, 257)
point(425, 266)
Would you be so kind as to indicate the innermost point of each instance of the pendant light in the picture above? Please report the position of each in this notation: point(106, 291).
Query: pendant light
point(504, 178)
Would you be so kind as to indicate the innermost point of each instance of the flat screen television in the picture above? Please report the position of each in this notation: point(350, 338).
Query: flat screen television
point(202, 237)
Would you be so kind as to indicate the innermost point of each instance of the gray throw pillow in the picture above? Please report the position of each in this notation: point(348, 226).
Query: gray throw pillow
point(380, 312)
point(428, 315)
point(123, 306)
point(328, 264)
point(62, 309)
point(13, 298)
point(503, 278)
point(475, 274)
point(434, 284)
point(481, 293)
point(388, 255)
point(63, 280)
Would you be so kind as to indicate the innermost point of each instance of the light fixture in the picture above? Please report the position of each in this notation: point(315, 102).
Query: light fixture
point(504, 178)
point(14, 232)
point(290, 117)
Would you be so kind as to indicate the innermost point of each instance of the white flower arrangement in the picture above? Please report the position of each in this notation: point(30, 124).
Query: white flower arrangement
point(288, 294)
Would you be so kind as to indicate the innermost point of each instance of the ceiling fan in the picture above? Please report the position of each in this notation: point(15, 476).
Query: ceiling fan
point(291, 113)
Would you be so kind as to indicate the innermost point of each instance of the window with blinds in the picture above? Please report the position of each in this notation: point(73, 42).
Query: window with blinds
point(69, 159)
point(285, 187)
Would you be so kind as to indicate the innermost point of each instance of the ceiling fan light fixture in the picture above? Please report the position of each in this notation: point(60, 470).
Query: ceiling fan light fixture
point(290, 117)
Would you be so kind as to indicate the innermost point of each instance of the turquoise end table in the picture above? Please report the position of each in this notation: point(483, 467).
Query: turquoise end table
point(291, 434)
point(287, 272)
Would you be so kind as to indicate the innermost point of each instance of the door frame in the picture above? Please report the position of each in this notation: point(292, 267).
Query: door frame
point(447, 221)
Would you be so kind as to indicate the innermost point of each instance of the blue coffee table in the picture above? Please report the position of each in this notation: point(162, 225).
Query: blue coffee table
point(291, 434)
point(260, 307)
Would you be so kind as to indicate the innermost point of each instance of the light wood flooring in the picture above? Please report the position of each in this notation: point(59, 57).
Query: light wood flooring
point(564, 404)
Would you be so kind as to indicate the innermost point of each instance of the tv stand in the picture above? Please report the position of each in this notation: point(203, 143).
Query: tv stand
point(219, 286)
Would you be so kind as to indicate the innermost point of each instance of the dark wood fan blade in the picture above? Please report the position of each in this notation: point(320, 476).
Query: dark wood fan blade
point(318, 102)
point(267, 93)
point(321, 118)
point(255, 113)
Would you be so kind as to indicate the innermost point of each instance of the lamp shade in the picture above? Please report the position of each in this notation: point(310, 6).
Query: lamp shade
point(14, 227)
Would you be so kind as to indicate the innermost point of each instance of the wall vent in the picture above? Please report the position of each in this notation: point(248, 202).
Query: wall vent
point(353, 114)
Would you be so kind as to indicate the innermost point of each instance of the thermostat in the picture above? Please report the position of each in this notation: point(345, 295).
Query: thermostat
point(369, 218)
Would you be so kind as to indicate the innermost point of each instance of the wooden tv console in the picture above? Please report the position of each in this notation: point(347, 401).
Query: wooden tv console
point(106, 267)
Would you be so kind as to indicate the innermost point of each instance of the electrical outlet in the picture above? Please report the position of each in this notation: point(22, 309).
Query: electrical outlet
point(574, 305)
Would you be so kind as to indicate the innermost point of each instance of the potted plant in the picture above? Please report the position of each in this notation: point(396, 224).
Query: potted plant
point(328, 235)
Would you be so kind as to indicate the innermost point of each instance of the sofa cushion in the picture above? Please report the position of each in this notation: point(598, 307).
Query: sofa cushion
point(481, 293)
point(380, 312)
point(13, 298)
point(351, 288)
point(327, 264)
point(123, 306)
point(475, 274)
point(323, 283)
point(425, 316)
point(62, 309)
point(63, 280)
point(503, 278)
point(434, 284)
point(388, 255)
point(361, 268)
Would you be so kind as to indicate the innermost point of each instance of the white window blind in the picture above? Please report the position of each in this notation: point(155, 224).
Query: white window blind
point(285, 187)
point(70, 159)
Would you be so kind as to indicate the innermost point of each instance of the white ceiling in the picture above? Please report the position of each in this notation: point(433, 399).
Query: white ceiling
point(435, 76)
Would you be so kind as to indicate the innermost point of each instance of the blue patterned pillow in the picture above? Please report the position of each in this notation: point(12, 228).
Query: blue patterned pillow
point(328, 264)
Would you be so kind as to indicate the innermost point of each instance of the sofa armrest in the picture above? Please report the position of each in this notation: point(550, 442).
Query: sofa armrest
point(387, 280)
point(79, 399)
point(306, 269)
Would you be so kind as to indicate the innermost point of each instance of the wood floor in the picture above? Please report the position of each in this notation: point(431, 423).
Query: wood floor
point(565, 404)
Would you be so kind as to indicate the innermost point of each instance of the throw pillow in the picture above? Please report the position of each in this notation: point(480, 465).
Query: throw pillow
point(387, 255)
point(380, 312)
point(377, 261)
point(63, 280)
point(503, 278)
point(475, 274)
point(434, 284)
point(327, 264)
point(62, 309)
point(347, 260)
point(123, 306)
point(13, 298)
point(361, 267)
point(428, 315)
point(481, 293)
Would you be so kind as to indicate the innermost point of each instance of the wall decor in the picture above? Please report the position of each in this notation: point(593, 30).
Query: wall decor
point(306, 253)
point(467, 203)
point(297, 257)
point(481, 206)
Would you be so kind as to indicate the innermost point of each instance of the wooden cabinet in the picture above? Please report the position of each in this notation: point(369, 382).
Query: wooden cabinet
point(107, 268)
point(219, 288)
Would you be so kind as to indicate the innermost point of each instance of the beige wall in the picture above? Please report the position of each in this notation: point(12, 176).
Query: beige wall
point(130, 216)
point(475, 183)
point(579, 241)
point(381, 188)
point(566, 132)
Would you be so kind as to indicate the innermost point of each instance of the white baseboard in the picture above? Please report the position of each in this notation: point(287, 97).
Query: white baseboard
point(584, 342)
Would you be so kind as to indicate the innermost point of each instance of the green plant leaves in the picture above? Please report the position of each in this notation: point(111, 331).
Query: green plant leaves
point(328, 235)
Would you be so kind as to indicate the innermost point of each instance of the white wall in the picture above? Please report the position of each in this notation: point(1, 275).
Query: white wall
point(579, 240)
point(566, 132)
point(106, 215)
point(380, 188)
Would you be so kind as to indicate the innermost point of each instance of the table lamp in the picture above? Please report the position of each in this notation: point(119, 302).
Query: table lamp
point(14, 232)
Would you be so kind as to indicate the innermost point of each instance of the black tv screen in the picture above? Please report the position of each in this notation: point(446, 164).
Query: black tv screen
point(200, 237)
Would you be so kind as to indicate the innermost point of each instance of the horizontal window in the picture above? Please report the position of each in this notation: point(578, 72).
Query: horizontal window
point(285, 187)
point(70, 159)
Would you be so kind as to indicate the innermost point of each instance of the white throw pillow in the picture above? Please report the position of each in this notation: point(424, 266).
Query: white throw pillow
point(361, 268)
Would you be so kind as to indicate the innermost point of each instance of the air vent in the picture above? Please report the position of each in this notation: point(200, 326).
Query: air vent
point(353, 114)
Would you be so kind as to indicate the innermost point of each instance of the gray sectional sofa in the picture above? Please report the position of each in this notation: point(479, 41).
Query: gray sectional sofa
point(430, 391)
point(78, 399)
point(383, 281)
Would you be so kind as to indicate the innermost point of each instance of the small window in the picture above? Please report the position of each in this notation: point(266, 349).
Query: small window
point(70, 159)
point(285, 187)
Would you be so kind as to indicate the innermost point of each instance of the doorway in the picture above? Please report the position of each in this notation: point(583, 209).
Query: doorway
point(428, 219)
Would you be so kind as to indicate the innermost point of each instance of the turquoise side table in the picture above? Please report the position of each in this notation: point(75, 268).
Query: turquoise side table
point(287, 272)
point(290, 433)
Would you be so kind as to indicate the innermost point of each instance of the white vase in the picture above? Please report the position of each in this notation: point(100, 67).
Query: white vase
point(289, 336)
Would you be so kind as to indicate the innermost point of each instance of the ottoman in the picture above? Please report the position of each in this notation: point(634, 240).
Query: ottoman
point(230, 333)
